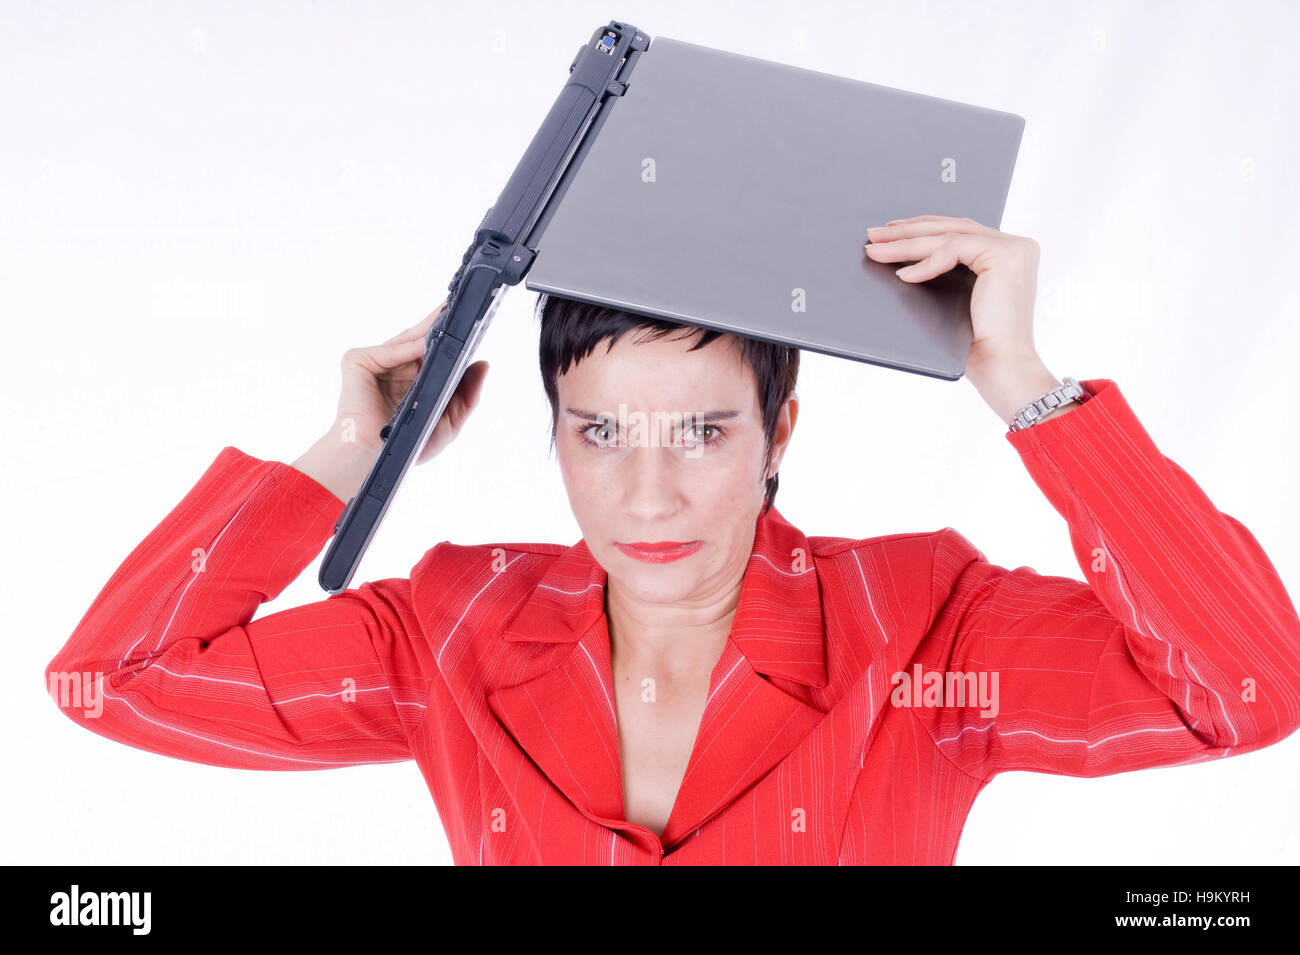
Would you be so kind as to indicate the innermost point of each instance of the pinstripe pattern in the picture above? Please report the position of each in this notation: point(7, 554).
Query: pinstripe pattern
point(489, 666)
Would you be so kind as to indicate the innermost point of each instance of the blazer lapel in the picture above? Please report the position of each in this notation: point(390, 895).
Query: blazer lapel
point(564, 717)
point(749, 724)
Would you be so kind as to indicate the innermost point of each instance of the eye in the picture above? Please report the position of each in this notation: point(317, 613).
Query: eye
point(609, 440)
point(709, 442)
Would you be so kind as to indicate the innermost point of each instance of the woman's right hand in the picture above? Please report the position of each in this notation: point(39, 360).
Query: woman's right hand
point(375, 380)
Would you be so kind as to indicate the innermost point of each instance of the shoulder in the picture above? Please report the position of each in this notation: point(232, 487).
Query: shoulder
point(897, 581)
point(452, 566)
point(944, 548)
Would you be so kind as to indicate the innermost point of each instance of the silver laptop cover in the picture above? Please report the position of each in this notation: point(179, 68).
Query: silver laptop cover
point(735, 193)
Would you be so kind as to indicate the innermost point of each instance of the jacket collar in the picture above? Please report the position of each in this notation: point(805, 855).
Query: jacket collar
point(778, 620)
point(563, 717)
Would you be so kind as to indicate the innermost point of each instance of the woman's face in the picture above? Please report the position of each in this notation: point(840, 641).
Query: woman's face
point(657, 443)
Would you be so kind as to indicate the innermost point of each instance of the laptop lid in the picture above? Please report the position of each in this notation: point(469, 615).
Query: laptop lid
point(735, 193)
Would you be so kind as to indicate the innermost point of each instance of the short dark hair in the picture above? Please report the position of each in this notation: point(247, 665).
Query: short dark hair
point(571, 330)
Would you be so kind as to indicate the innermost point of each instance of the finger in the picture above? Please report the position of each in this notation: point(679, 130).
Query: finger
point(904, 250)
point(390, 355)
point(915, 219)
point(419, 329)
point(478, 371)
point(464, 399)
point(931, 255)
point(929, 217)
point(944, 259)
point(930, 224)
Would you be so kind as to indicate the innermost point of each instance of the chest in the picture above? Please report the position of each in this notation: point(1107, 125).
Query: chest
point(862, 784)
point(658, 721)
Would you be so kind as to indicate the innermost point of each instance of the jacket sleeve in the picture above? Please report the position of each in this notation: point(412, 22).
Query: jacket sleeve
point(1181, 646)
point(168, 658)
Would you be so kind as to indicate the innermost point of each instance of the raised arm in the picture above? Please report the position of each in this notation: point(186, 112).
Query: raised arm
point(1182, 645)
point(168, 658)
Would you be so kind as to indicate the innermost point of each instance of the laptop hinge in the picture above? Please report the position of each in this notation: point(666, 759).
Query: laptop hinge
point(519, 262)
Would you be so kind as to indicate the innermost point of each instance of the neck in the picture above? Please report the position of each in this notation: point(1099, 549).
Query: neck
point(681, 641)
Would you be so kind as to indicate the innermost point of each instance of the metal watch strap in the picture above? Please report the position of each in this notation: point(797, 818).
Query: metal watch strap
point(1030, 414)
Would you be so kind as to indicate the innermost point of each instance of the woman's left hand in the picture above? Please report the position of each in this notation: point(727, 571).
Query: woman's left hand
point(1006, 267)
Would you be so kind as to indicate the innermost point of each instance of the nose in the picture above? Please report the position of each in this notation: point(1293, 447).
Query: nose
point(652, 481)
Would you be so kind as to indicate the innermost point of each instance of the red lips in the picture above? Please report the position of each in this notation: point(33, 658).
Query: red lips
point(659, 552)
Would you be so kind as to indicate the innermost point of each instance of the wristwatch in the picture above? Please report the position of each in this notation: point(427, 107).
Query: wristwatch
point(1029, 415)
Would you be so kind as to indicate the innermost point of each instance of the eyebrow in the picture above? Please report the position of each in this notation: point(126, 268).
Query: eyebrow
point(716, 415)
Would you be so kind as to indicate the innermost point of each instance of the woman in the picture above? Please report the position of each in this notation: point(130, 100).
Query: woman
point(696, 681)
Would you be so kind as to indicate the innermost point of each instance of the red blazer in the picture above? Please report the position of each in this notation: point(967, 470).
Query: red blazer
point(490, 665)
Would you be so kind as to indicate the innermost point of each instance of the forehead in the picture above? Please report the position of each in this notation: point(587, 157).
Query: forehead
point(663, 371)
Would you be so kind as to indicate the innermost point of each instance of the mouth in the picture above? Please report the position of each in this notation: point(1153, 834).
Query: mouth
point(660, 552)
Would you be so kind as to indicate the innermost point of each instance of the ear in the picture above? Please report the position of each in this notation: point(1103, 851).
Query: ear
point(785, 421)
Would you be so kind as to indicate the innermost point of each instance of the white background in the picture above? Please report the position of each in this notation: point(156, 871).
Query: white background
point(203, 205)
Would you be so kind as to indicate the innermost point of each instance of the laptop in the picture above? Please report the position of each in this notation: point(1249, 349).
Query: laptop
point(720, 190)
point(735, 193)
